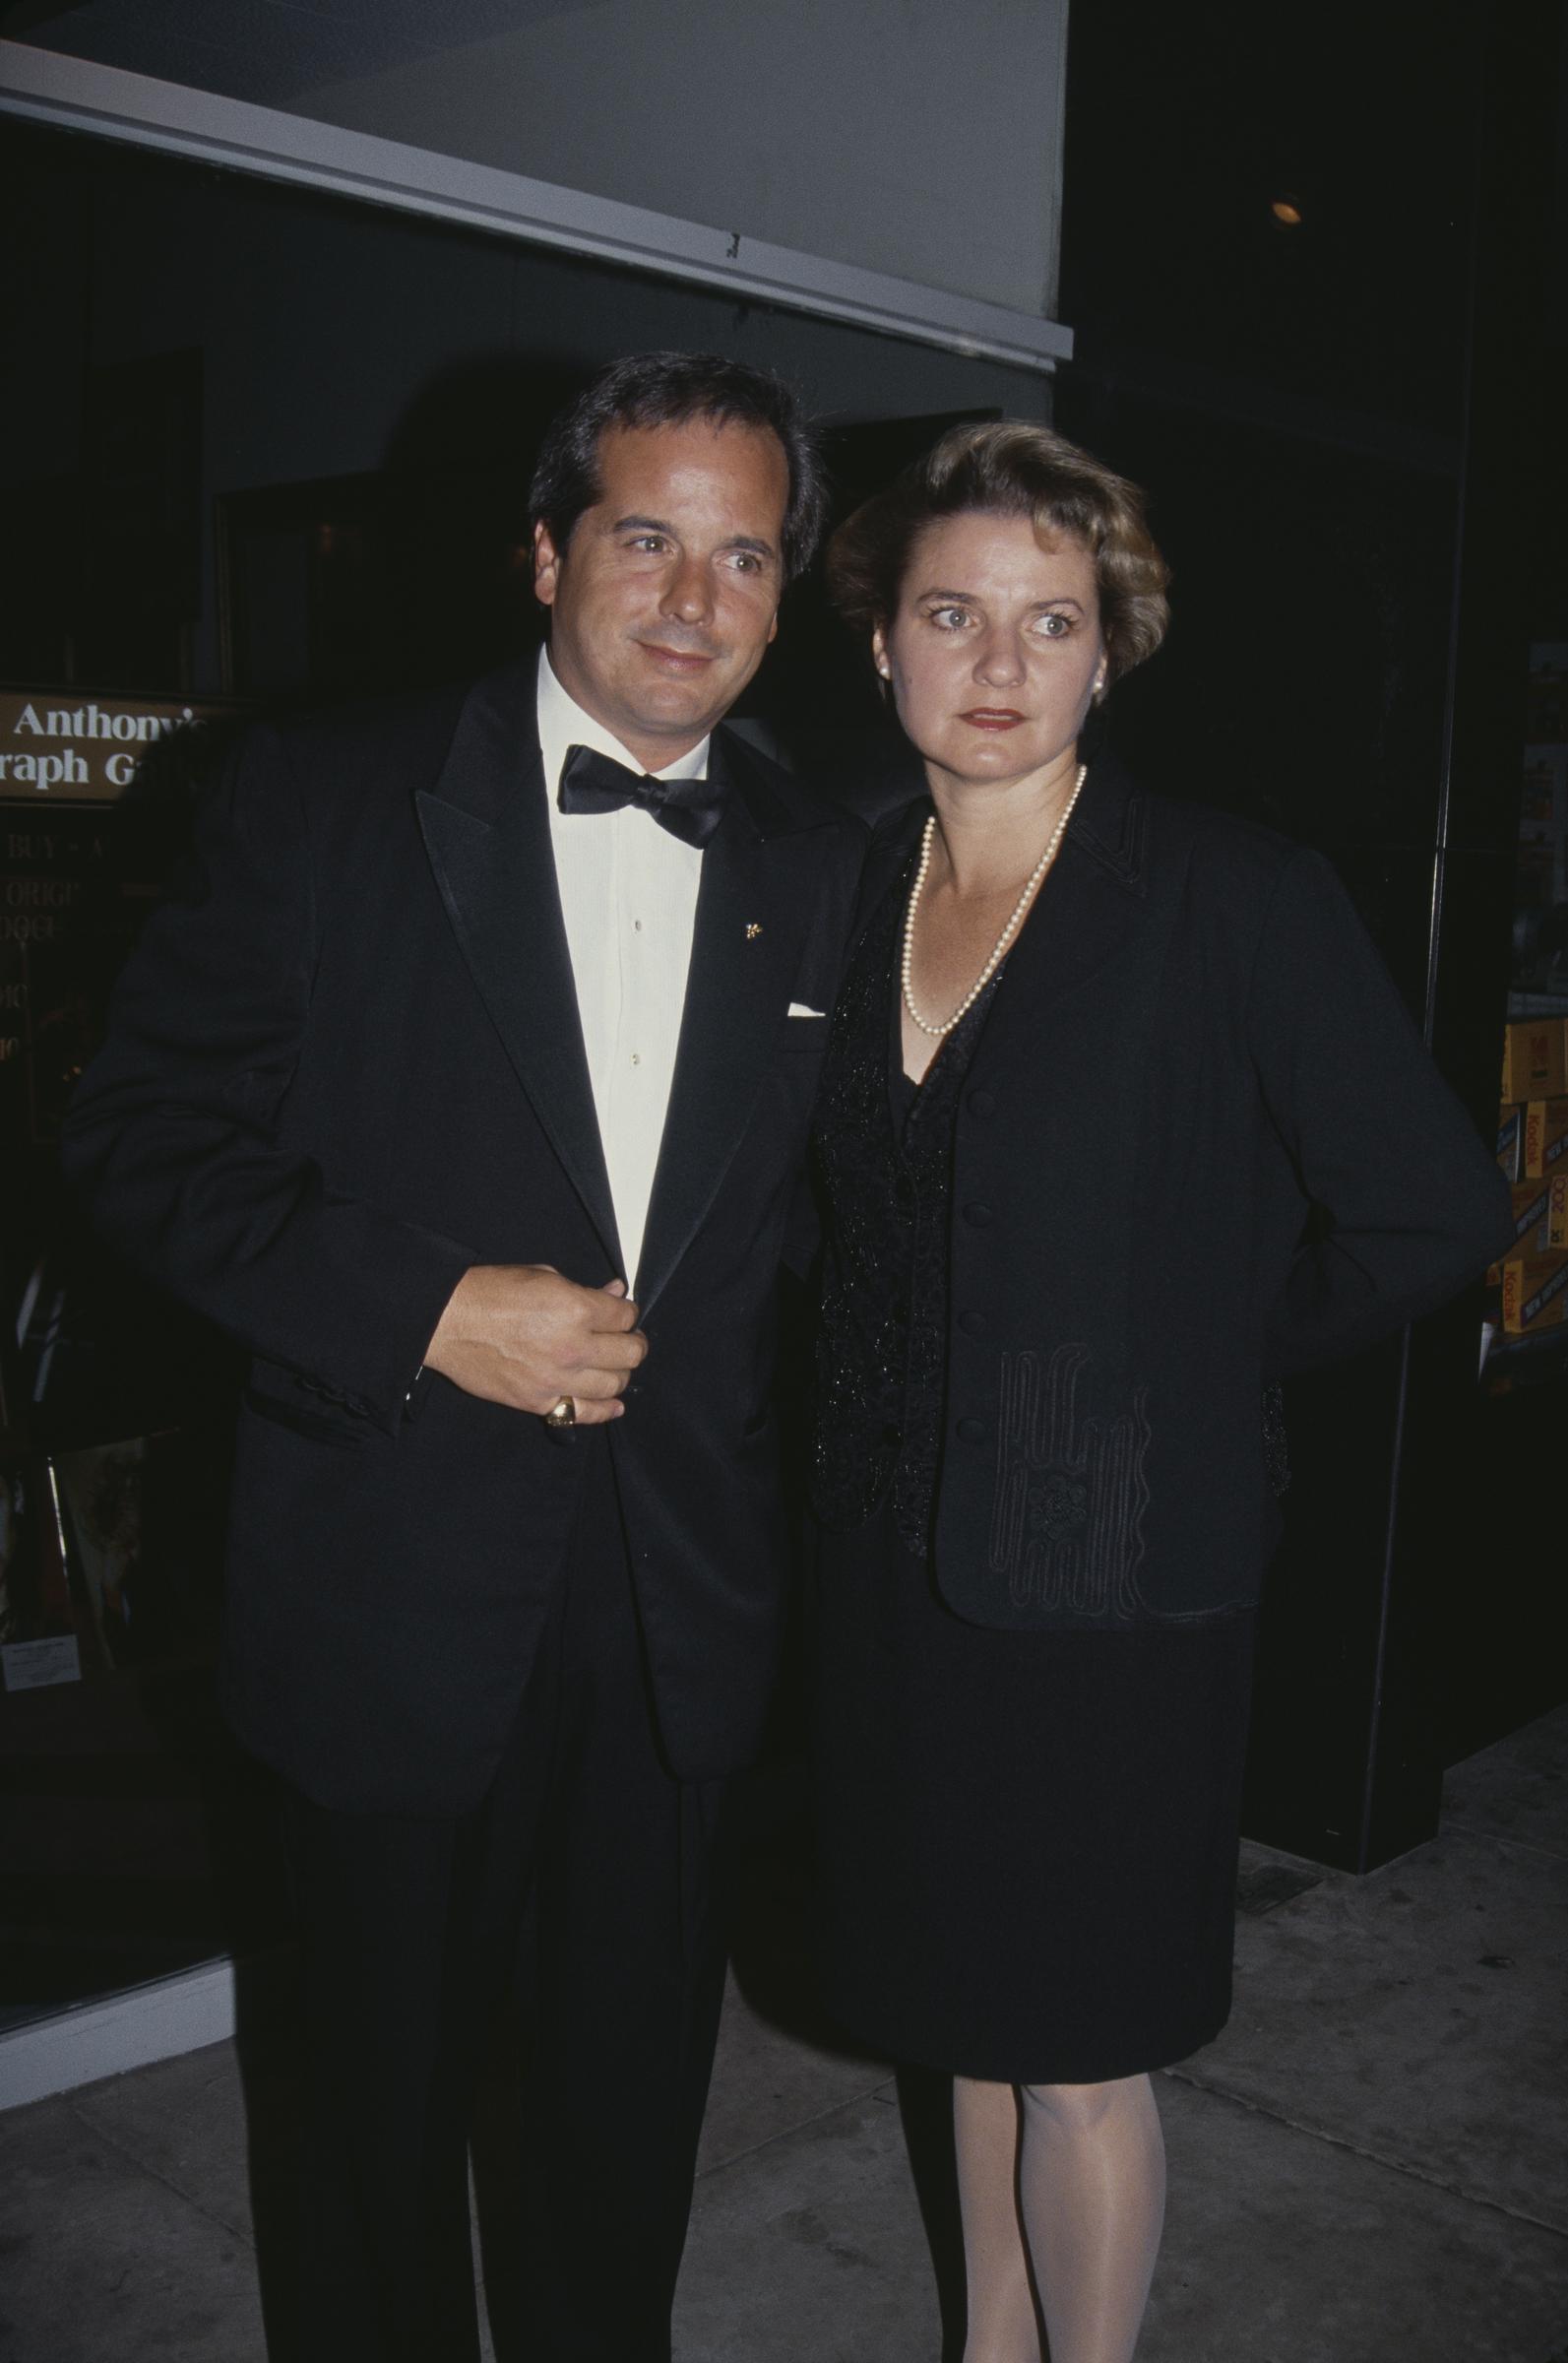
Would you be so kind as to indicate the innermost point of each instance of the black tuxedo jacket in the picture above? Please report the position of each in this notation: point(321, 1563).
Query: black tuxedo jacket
point(343, 1064)
point(1199, 1145)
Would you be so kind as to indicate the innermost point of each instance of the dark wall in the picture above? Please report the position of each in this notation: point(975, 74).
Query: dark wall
point(1340, 422)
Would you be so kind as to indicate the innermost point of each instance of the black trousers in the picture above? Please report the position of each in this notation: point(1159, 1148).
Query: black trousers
point(582, 1894)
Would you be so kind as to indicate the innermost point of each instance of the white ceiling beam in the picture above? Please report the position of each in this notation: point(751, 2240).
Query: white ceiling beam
point(78, 94)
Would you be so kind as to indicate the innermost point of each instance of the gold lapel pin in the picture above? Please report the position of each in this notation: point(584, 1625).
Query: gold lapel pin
point(753, 930)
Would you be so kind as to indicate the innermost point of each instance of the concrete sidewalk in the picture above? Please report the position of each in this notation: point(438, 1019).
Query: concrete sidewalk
point(1370, 2166)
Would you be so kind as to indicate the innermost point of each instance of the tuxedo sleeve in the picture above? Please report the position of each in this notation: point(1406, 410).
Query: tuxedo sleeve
point(173, 1143)
point(1405, 1202)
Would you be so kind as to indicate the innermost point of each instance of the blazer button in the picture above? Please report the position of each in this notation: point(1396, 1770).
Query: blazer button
point(972, 1431)
point(982, 1103)
point(977, 1215)
point(972, 1324)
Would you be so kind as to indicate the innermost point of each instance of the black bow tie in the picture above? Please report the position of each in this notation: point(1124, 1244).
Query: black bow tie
point(595, 783)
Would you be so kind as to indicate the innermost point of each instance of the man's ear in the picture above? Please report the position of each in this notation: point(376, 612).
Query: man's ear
point(546, 567)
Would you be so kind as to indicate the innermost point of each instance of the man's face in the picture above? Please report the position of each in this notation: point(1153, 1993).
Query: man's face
point(668, 592)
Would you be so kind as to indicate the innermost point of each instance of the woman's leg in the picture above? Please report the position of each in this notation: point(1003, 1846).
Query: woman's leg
point(1003, 2325)
point(1091, 2192)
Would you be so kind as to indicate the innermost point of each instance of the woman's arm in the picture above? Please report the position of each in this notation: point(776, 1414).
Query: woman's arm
point(1407, 1203)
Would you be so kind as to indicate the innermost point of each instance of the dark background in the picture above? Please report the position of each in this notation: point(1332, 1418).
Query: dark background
point(1351, 428)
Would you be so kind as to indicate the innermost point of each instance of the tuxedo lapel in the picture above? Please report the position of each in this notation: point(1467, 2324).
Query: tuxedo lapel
point(753, 911)
point(487, 834)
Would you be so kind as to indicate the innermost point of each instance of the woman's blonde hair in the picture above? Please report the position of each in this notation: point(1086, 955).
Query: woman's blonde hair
point(1010, 467)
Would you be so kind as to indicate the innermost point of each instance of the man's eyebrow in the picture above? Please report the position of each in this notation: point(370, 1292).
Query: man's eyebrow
point(658, 525)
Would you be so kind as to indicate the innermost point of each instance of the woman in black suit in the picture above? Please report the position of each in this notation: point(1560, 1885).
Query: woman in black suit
point(1122, 1121)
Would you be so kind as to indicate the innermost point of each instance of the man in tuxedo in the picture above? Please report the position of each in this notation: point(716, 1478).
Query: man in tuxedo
point(466, 1083)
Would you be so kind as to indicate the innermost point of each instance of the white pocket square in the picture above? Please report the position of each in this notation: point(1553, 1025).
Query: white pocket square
point(799, 1009)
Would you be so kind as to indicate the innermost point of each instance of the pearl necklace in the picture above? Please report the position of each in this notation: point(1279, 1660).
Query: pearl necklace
point(907, 964)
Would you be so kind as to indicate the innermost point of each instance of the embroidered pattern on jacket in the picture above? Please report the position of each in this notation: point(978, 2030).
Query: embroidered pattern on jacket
point(1071, 1491)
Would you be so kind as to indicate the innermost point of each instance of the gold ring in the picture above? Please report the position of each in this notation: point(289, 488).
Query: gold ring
point(563, 1416)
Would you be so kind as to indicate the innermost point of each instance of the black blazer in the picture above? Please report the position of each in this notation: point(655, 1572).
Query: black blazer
point(343, 1064)
point(1199, 1145)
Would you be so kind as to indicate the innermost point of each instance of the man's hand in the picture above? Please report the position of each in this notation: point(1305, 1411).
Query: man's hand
point(520, 1334)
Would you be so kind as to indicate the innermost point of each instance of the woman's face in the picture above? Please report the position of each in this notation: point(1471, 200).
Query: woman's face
point(995, 652)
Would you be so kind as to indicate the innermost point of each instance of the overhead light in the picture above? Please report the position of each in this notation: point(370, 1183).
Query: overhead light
point(1287, 210)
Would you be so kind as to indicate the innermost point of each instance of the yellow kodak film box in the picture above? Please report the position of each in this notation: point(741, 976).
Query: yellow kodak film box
point(1545, 1135)
point(1532, 1221)
point(1535, 1293)
point(1511, 1141)
point(1533, 1059)
point(1532, 1205)
point(1557, 1209)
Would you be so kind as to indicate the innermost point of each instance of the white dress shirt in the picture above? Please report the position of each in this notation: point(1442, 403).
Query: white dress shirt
point(629, 898)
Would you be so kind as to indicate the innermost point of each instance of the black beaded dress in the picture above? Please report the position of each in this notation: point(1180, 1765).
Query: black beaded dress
point(1028, 1839)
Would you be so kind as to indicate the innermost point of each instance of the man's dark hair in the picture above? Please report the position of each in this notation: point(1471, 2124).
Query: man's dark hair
point(666, 389)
